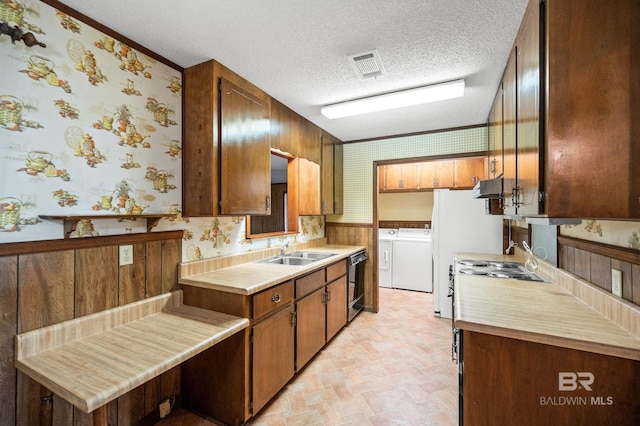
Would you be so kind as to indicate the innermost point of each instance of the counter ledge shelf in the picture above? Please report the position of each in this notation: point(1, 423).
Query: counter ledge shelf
point(92, 360)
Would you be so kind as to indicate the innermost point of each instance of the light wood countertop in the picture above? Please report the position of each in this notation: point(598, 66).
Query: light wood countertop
point(540, 312)
point(252, 277)
point(92, 360)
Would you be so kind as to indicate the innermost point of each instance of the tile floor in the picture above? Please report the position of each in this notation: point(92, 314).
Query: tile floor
point(384, 369)
point(389, 368)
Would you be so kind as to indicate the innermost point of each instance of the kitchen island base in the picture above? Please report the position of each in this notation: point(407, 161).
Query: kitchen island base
point(508, 381)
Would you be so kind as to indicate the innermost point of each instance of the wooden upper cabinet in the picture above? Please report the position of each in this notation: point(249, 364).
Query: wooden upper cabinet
point(400, 177)
point(390, 177)
point(495, 124)
point(331, 174)
point(468, 171)
point(309, 140)
point(200, 150)
point(281, 127)
point(437, 174)
point(592, 143)
point(462, 172)
point(509, 131)
point(570, 121)
point(327, 174)
point(226, 151)
point(308, 187)
point(528, 112)
point(338, 173)
point(245, 167)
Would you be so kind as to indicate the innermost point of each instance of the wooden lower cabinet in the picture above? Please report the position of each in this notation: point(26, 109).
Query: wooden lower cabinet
point(310, 327)
point(336, 306)
point(273, 344)
point(514, 382)
point(290, 323)
point(321, 309)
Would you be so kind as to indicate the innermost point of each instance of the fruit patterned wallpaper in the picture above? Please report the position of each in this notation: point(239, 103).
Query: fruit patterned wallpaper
point(617, 233)
point(207, 237)
point(88, 126)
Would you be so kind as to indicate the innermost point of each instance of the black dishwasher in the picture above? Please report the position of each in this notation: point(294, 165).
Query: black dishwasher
point(355, 283)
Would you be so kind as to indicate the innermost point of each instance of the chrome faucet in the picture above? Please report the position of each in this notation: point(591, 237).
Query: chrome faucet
point(284, 248)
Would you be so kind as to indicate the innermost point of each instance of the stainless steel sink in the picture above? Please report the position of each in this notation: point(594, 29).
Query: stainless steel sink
point(298, 258)
point(310, 255)
point(287, 260)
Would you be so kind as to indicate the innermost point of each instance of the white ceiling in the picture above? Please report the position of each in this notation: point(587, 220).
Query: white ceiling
point(297, 50)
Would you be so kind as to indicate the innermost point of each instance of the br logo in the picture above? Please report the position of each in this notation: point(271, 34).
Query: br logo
point(570, 381)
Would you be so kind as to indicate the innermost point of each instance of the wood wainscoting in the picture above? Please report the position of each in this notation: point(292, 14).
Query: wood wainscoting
point(48, 282)
point(359, 234)
point(593, 262)
point(395, 224)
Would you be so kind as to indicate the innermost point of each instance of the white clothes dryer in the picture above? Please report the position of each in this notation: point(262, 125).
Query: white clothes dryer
point(412, 267)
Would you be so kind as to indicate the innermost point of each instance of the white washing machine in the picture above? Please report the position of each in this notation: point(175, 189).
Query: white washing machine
point(385, 255)
point(412, 264)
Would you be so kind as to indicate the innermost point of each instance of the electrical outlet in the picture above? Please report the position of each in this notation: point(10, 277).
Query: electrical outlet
point(164, 408)
point(616, 282)
point(126, 255)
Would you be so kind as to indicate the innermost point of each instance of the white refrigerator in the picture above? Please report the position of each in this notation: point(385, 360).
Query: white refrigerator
point(459, 224)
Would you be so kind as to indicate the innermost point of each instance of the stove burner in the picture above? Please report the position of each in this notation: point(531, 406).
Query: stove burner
point(509, 274)
point(476, 263)
point(496, 269)
point(504, 265)
point(470, 271)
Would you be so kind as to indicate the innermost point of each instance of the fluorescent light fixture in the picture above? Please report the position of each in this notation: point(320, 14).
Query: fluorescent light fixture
point(409, 97)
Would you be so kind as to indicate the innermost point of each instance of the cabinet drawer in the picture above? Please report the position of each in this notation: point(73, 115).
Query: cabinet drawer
point(336, 270)
point(309, 283)
point(269, 300)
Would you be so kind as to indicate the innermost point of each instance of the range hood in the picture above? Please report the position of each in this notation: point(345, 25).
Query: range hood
point(489, 188)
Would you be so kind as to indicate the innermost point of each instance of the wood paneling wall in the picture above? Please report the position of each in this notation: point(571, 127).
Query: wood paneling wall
point(44, 283)
point(593, 262)
point(395, 224)
point(355, 234)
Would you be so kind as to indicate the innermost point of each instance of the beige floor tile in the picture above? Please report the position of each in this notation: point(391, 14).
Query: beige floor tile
point(389, 368)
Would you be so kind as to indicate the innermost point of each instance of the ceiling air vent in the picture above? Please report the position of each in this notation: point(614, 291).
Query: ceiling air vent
point(367, 64)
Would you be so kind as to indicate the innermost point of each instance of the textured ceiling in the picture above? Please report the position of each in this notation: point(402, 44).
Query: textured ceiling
point(297, 50)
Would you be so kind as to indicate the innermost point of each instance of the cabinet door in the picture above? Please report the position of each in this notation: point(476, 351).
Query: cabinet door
point(308, 187)
point(528, 111)
point(336, 306)
point(328, 173)
point(593, 141)
point(509, 132)
point(310, 327)
point(400, 177)
point(310, 140)
point(468, 171)
point(273, 356)
point(201, 179)
point(382, 178)
point(393, 177)
point(280, 128)
point(245, 152)
point(338, 186)
point(436, 174)
point(331, 171)
point(495, 136)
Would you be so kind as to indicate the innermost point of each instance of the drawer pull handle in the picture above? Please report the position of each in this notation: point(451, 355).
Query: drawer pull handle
point(276, 298)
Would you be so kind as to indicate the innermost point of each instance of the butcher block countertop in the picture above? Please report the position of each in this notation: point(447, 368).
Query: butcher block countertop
point(252, 277)
point(91, 360)
point(541, 312)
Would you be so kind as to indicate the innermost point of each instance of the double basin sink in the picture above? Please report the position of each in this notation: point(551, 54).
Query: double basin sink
point(297, 258)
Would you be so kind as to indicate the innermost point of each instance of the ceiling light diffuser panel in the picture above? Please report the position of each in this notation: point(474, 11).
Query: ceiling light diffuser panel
point(404, 98)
